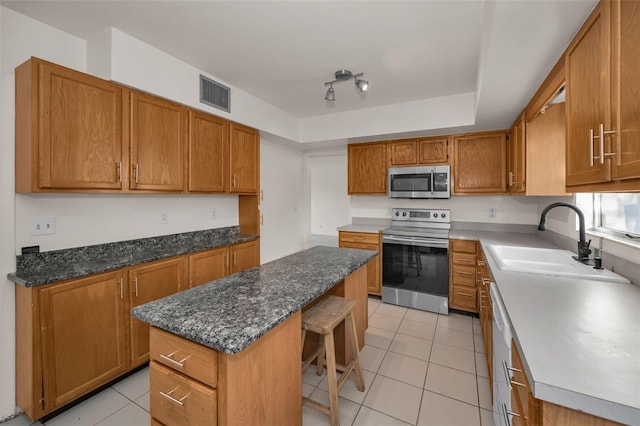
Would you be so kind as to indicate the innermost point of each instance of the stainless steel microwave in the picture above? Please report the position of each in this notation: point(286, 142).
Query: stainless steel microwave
point(420, 182)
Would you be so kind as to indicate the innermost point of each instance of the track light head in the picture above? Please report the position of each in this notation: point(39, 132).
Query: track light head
point(331, 95)
point(362, 85)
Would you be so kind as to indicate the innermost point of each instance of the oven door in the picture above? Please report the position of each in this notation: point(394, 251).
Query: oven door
point(416, 264)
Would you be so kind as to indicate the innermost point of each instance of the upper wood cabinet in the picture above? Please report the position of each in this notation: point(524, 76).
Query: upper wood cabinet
point(244, 159)
point(68, 130)
point(83, 333)
point(411, 152)
point(480, 163)
point(147, 283)
point(367, 168)
point(158, 133)
point(516, 174)
point(208, 151)
point(603, 113)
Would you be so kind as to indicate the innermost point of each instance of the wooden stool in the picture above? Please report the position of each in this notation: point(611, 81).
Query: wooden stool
point(322, 319)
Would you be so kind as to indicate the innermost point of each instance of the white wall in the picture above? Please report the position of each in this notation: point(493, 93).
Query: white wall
point(327, 187)
point(283, 205)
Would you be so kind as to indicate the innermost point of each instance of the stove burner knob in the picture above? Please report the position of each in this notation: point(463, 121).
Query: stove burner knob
point(397, 213)
point(435, 215)
point(443, 215)
point(404, 214)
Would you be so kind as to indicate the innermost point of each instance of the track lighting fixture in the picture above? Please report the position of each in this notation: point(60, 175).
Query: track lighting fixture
point(344, 75)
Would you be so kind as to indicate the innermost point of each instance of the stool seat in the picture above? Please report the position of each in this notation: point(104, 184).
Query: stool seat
point(322, 319)
point(327, 314)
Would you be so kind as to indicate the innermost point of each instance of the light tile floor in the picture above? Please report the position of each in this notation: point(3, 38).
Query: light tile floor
point(419, 368)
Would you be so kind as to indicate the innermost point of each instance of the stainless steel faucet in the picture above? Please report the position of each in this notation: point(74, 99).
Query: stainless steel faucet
point(583, 245)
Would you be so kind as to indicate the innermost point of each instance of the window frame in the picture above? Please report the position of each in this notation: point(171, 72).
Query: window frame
point(597, 222)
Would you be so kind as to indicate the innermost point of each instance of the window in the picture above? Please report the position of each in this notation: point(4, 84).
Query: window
point(617, 213)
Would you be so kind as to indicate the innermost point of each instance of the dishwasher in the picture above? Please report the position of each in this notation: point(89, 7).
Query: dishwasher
point(501, 360)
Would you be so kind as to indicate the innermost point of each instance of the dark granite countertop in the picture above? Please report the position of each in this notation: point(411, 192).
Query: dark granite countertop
point(58, 265)
point(231, 313)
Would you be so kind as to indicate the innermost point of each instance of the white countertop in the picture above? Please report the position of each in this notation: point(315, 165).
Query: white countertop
point(579, 339)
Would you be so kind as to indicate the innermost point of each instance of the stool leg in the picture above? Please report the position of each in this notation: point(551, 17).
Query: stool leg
point(351, 327)
point(332, 380)
point(320, 360)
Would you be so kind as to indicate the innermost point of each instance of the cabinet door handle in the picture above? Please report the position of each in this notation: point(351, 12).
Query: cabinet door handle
point(591, 138)
point(233, 180)
point(261, 219)
point(135, 281)
point(601, 133)
point(510, 179)
point(119, 170)
point(235, 259)
point(172, 399)
point(226, 262)
point(121, 288)
point(136, 168)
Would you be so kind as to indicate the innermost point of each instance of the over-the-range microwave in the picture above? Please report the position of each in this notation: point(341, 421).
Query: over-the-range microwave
point(419, 182)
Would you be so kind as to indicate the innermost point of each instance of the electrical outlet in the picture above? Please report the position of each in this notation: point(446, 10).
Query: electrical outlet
point(43, 225)
point(213, 213)
point(164, 218)
point(492, 212)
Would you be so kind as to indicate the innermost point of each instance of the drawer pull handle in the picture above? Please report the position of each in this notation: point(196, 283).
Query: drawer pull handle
point(517, 370)
point(173, 361)
point(172, 399)
point(465, 294)
point(522, 385)
point(464, 273)
point(464, 261)
point(481, 263)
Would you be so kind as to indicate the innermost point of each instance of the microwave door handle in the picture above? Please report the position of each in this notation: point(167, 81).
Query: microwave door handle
point(433, 183)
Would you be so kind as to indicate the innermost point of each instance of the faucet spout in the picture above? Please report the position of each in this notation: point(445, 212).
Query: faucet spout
point(583, 245)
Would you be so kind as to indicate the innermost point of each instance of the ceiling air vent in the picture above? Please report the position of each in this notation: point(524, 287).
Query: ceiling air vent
point(215, 94)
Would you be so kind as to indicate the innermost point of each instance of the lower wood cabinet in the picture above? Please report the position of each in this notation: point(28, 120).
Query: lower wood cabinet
point(485, 310)
point(83, 338)
point(367, 241)
point(462, 276)
point(74, 336)
point(147, 283)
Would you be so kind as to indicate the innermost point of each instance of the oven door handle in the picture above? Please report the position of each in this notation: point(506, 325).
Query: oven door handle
point(420, 242)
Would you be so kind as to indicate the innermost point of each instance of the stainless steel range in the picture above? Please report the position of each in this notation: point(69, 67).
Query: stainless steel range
point(415, 259)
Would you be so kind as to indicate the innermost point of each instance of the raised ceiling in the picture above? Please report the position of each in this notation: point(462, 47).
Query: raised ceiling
point(283, 52)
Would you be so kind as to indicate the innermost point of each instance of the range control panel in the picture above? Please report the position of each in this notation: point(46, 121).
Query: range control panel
point(421, 215)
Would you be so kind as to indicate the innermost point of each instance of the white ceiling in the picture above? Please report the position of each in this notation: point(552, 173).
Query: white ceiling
point(283, 51)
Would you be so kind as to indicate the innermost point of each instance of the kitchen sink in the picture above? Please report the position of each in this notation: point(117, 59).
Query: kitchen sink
point(543, 261)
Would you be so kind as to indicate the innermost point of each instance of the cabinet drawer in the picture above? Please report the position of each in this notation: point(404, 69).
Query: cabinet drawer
point(463, 275)
point(359, 237)
point(463, 246)
point(359, 246)
point(178, 400)
point(182, 355)
point(464, 259)
point(465, 297)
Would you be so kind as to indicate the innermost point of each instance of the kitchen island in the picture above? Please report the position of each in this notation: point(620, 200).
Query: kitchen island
point(229, 352)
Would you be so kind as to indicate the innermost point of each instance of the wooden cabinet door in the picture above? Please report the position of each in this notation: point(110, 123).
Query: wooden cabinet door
point(245, 256)
point(80, 130)
point(403, 153)
point(148, 283)
point(244, 159)
point(480, 163)
point(626, 89)
point(208, 150)
point(158, 132)
point(588, 75)
point(367, 168)
point(516, 174)
point(83, 331)
point(433, 150)
point(208, 266)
